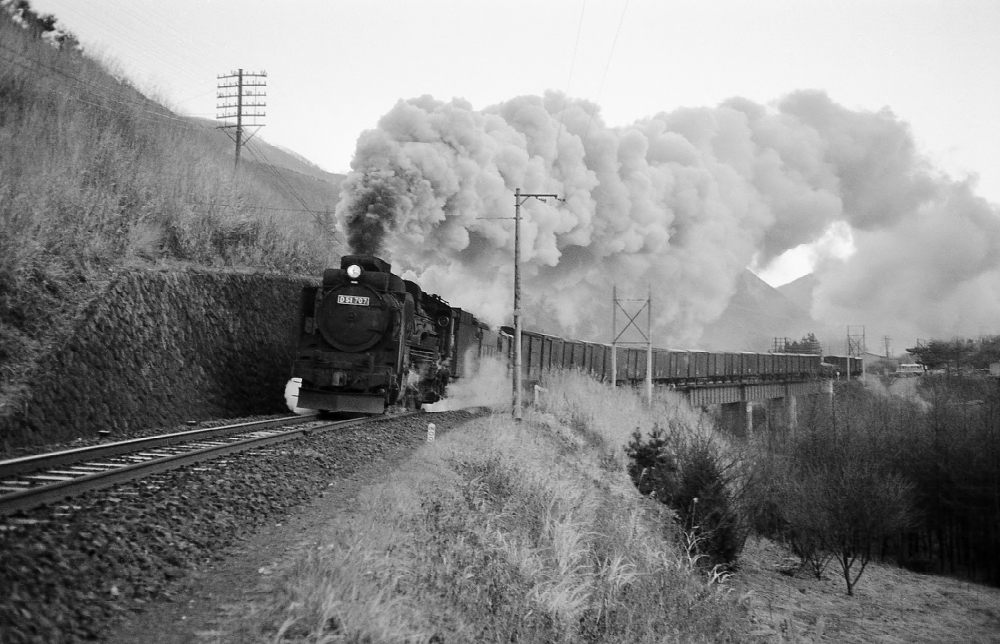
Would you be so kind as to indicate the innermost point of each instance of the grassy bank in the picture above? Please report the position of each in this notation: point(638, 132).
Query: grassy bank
point(529, 532)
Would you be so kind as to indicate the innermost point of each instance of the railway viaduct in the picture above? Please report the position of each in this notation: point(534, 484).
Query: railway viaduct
point(737, 400)
point(738, 382)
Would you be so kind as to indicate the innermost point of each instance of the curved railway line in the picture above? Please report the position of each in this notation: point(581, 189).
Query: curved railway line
point(30, 481)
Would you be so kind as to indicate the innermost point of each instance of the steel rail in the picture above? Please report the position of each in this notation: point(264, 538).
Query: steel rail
point(40, 495)
point(15, 466)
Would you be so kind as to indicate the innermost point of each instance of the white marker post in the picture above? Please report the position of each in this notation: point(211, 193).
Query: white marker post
point(430, 432)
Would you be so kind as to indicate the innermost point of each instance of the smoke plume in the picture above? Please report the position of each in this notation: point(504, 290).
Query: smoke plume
point(683, 201)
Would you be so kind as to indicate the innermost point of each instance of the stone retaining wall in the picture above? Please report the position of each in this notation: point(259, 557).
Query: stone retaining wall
point(160, 348)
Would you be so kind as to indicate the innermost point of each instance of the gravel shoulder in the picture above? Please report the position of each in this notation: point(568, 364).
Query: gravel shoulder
point(208, 598)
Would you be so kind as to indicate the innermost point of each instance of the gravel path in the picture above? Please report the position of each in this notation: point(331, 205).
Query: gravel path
point(138, 553)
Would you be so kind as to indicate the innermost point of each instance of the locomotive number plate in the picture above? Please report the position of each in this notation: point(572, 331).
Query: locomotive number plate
point(356, 300)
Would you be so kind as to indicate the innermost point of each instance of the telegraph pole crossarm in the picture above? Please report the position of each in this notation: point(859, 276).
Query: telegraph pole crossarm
point(244, 109)
point(520, 198)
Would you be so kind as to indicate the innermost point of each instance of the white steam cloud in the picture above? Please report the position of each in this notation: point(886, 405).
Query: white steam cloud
point(684, 201)
point(488, 385)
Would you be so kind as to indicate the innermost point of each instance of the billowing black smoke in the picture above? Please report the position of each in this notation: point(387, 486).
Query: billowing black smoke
point(372, 213)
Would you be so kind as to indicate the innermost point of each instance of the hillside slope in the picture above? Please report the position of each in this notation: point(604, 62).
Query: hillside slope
point(302, 183)
point(800, 291)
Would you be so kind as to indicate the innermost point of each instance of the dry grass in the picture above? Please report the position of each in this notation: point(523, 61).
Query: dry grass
point(504, 532)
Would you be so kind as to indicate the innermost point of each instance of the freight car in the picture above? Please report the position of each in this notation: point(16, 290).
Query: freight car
point(368, 341)
point(541, 352)
point(846, 367)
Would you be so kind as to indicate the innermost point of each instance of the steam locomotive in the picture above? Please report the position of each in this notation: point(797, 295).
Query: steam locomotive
point(369, 341)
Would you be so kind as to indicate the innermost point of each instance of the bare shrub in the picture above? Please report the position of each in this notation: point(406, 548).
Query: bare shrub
point(835, 489)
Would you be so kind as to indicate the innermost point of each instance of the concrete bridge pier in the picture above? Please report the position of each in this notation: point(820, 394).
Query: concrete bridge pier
point(783, 410)
point(738, 417)
point(735, 403)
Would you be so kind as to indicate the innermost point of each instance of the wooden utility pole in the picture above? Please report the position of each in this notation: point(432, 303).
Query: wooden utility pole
point(241, 87)
point(519, 198)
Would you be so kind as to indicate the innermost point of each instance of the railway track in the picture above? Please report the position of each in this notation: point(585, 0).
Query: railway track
point(31, 481)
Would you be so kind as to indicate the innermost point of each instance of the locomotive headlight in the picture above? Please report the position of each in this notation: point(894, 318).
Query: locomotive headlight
point(354, 271)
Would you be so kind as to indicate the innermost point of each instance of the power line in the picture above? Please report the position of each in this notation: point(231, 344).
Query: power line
point(255, 207)
point(572, 65)
point(105, 93)
point(108, 90)
point(283, 181)
point(611, 55)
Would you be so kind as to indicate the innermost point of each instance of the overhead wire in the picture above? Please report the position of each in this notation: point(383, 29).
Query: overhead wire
point(152, 18)
point(236, 205)
point(105, 92)
point(281, 179)
point(132, 29)
point(572, 65)
point(611, 54)
point(134, 110)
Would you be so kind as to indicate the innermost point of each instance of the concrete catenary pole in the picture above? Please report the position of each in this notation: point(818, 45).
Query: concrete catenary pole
point(614, 336)
point(649, 346)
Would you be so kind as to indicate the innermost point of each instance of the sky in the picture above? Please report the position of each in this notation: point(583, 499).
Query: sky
point(334, 68)
point(853, 138)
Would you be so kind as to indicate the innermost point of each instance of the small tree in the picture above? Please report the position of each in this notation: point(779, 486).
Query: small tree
point(843, 510)
point(862, 506)
point(808, 344)
point(652, 465)
point(800, 503)
point(937, 353)
point(695, 479)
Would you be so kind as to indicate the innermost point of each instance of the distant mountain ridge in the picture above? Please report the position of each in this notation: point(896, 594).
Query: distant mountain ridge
point(800, 291)
point(756, 314)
